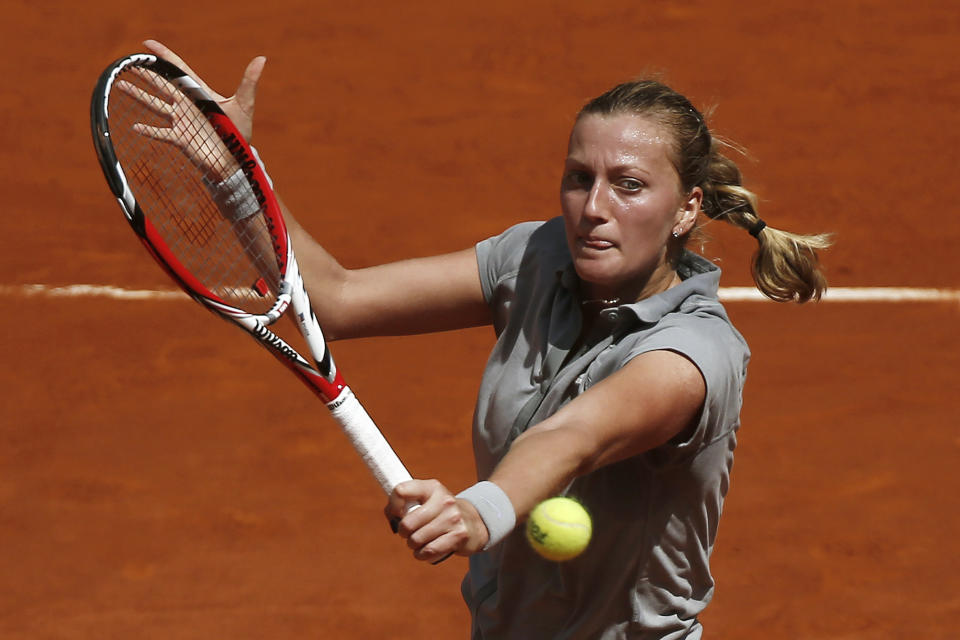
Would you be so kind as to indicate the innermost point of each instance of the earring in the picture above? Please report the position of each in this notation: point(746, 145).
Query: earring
point(676, 234)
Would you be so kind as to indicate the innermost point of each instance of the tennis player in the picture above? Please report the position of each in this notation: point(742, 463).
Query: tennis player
point(616, 376)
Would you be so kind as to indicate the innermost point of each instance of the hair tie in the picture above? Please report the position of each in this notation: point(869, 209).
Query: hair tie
point(759, 226)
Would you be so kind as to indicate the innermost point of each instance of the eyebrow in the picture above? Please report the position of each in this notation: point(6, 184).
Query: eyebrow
point(617, 168)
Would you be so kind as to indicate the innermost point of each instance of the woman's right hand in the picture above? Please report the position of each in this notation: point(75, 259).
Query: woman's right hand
point(240, 106)
point(442, 525)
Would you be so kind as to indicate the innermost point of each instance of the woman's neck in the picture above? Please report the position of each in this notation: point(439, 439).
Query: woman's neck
point(598, 298)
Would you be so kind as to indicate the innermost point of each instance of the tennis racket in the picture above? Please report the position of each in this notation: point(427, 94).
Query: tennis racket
point(195, 193)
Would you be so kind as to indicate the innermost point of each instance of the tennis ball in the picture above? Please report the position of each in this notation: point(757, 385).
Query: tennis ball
point(559, 529)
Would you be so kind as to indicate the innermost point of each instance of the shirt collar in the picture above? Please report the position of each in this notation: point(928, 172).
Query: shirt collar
point(699, 277)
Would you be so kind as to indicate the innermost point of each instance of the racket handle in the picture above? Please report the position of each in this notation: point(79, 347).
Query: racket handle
point(366, 438)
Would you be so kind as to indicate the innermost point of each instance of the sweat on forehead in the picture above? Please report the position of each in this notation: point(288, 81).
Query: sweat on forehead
point(625, 129)
point(689, 138)
point(625, 139)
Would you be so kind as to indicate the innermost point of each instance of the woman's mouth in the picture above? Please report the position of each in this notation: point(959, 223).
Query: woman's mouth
point(597, 244)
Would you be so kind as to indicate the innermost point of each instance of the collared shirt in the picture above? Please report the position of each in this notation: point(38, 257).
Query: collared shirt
point(646, 572)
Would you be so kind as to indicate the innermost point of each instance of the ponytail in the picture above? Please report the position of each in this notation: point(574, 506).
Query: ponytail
point(785, 266)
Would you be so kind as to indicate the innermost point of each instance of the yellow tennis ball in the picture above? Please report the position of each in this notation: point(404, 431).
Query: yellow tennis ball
point(559, 529)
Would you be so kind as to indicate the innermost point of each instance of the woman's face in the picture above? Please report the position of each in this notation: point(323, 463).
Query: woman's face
point(622, 200)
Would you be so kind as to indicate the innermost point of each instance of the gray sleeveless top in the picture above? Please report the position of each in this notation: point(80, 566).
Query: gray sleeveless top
point(646, 573)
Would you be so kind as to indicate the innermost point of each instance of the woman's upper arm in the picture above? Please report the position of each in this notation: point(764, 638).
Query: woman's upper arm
point(654, 397)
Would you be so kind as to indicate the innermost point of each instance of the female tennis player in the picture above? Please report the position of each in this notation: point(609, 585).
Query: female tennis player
point(616, 375)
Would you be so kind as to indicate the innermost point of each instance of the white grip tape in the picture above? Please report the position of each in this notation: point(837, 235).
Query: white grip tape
point(368, 441)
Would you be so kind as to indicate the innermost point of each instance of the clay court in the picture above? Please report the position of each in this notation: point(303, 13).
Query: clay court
point(162, 477)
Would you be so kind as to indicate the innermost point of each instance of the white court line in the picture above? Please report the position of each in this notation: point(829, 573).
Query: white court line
point(90, 291)
point(727, 294)
point(854, 294)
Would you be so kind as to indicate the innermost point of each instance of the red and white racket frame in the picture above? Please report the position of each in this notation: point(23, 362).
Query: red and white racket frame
point(321, 375)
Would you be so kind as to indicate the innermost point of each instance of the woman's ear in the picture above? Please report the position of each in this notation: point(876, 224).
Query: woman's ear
point(688, 211)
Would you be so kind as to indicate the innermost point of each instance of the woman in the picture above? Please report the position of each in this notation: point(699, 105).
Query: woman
point(616, 376)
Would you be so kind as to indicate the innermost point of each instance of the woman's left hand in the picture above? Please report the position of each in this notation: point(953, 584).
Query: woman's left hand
point(439, 525)
point(240, 106)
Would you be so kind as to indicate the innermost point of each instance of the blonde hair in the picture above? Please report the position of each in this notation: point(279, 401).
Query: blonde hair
point(785, 266)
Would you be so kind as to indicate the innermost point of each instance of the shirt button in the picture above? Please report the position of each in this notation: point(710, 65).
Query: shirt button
point(610, 315)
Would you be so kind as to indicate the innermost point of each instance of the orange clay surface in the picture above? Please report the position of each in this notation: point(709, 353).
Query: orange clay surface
point(162, 477)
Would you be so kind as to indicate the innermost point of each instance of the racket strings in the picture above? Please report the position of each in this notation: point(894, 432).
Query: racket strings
point(233, 258)
point(197, 229)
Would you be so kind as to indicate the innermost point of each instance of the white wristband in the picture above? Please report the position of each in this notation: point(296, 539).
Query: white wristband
point(234, 197)
point(495, 510)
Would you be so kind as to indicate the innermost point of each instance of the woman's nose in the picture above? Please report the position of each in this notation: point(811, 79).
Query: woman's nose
point(597, 204)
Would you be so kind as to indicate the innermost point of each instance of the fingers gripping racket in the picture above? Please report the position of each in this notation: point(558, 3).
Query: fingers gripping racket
point(193, 191)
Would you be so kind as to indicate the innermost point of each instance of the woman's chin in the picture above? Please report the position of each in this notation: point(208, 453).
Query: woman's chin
point(598, 281)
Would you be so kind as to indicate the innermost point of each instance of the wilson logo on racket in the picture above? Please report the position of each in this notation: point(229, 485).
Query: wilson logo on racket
point(277, 343)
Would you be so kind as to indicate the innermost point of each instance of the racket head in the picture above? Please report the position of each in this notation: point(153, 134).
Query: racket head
point(166, 148)
point(233, 256)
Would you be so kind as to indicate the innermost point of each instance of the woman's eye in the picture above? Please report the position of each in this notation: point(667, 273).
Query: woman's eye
point(579, 179)
point(631, 184)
